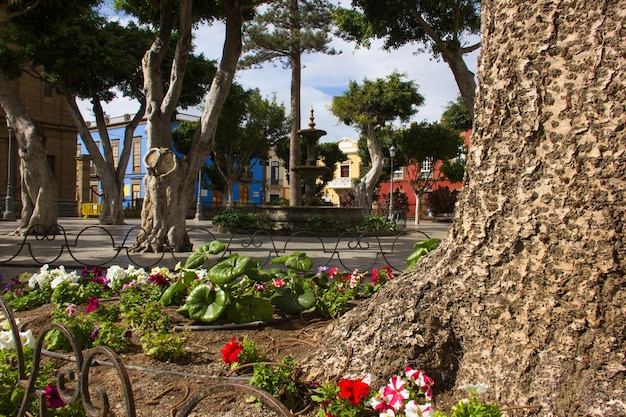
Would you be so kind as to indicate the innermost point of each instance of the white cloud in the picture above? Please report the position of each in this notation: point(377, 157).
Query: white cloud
point(324, 76)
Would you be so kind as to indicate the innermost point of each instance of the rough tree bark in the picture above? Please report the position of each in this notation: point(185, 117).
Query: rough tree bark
point(39, 191)
point(363, 190)
point(527, 293)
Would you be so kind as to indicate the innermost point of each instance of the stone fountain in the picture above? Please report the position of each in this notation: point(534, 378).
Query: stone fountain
point(296, 217)
point(310, 172)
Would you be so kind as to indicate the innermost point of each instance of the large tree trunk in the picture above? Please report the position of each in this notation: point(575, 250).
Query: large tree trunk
point(169, 181)
point(453, 53)
point(295, 152)
point(39, 191)
point(363, 190)
point(111, 178)
point(527, 293)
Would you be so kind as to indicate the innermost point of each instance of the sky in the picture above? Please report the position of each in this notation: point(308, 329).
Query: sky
point(325, 76)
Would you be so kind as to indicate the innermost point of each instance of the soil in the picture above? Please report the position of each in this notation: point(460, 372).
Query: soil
point(160, 388)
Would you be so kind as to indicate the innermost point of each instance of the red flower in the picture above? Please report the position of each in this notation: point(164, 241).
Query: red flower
point(92, 305)
point(354, 391)
point(53, 399)
point(231, 351)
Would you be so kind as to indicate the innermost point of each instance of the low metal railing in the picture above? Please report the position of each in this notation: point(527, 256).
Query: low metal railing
point(105, 246)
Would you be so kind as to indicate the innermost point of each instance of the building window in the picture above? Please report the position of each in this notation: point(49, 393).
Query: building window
point(47, 91)
point(398, 174)
point(274, 172)
point(426, 167)
point(136, 155)
point(136, 196)
point(115, 150)
point(344, 171)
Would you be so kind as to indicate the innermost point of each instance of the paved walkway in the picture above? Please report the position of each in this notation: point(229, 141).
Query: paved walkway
point(87, 243)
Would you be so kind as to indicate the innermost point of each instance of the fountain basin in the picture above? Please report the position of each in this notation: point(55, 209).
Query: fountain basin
point(295, 218)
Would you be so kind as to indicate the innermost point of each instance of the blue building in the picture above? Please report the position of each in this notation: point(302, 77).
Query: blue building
point(246, 192)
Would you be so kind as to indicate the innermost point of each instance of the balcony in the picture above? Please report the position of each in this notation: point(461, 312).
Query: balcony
point(340, 183)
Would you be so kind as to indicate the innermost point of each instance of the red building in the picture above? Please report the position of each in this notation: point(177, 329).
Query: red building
point(402, 182)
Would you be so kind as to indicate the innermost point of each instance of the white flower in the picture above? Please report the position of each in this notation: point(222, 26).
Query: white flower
point(28, 339)
point(4, 325)
point(474, 389)
point(6, 340)
point(201, 274)
point(41, 278)
point(72, 278)
point(413, 409)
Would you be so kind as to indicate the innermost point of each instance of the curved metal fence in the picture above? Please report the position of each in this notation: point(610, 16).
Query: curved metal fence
point(109, 245)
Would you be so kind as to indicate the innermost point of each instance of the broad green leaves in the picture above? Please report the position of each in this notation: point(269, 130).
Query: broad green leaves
point(422, 248)
point(293, 299)
point(206, 303)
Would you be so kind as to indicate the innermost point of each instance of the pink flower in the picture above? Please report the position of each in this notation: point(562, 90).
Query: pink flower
point(396, 392)
point(375, 276)
point(279, 282)
point(380, 402)
point(421, 379)
point(333, 271)
point(389, 271)
point(92, 305)
point(53, 399)
point(70, 309)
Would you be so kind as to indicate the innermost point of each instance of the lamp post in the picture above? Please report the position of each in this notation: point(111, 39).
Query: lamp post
point(9, 214)
point(199, 215)
point(392, 154)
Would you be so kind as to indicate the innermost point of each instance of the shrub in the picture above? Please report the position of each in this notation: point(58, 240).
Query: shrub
point(442, 200)
point(236, 219)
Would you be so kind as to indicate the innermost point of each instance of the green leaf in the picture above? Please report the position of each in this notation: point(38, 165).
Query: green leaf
point(293, 300)
point(297, 260)
point(195, 260)
point(215, 247)
point(259, 274)
point(250, 308)
point(428, 244)
point(205, 303)
point(229, 269)
point(183, 311)
point(421, 249)
point(176, 288)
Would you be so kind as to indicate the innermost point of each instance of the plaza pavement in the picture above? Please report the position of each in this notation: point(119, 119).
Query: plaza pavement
point(92, 244)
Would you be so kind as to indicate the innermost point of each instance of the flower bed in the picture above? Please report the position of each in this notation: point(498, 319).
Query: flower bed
point(124, 309)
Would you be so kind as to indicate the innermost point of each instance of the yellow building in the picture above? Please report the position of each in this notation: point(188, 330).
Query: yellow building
point(345, 173)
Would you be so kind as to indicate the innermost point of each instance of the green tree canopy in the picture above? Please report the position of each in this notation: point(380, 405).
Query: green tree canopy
point(456, 115)
point(443, 28)
point(371, 106)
